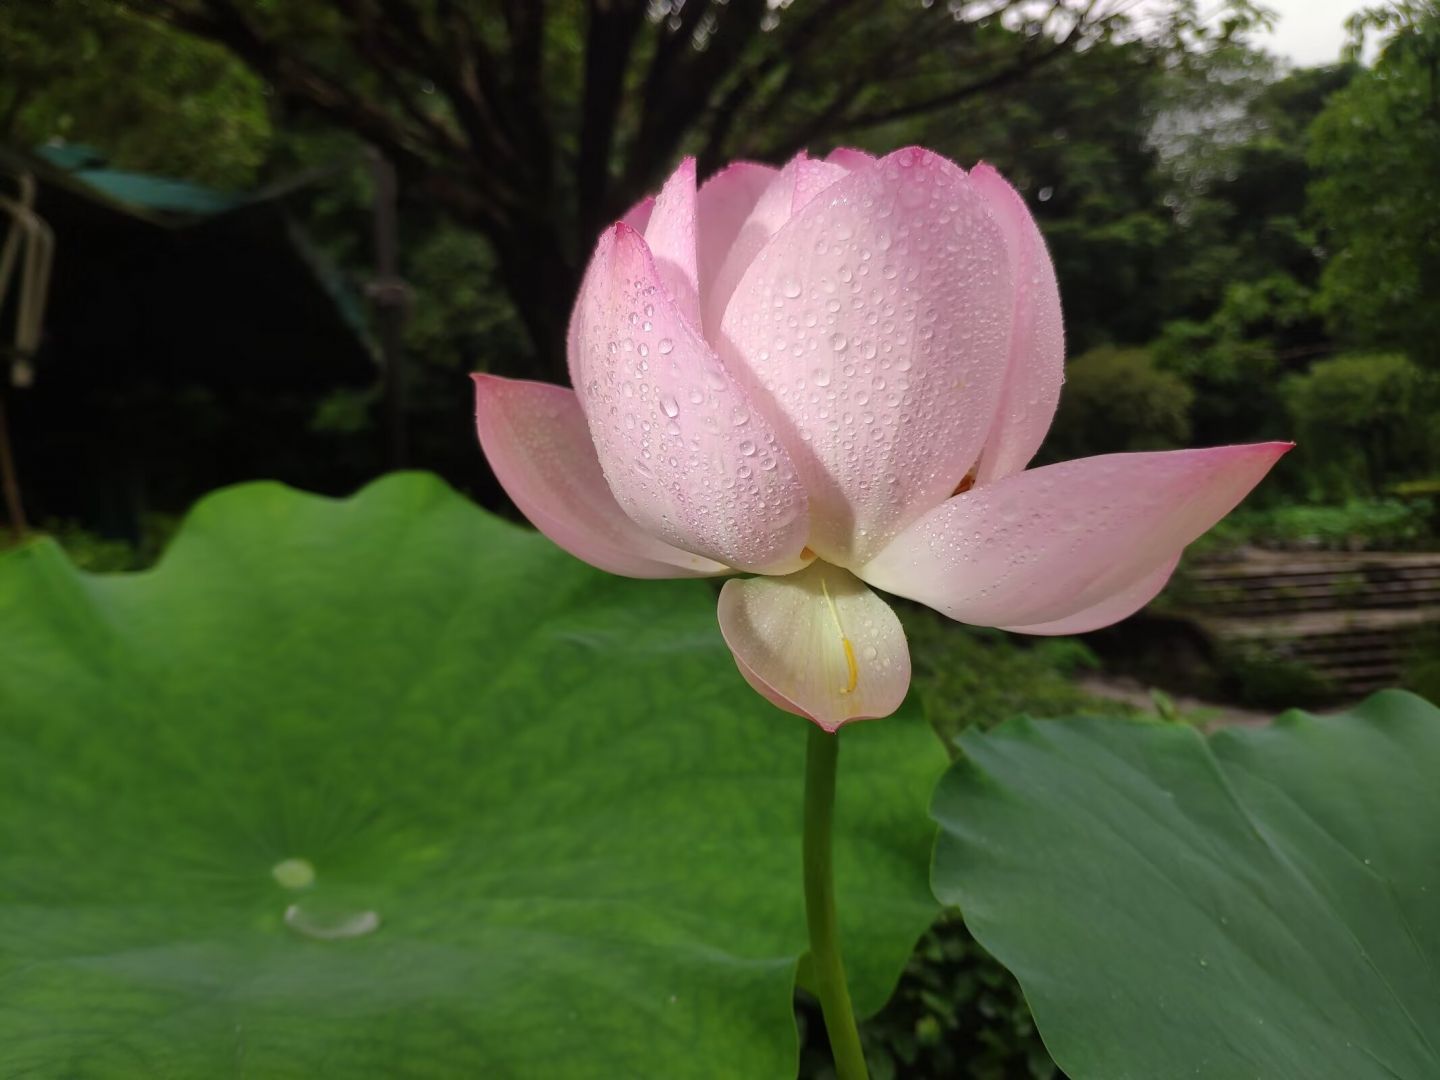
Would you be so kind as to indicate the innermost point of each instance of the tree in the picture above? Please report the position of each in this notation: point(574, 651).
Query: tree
point(535, 123)
point(1363, 421)
point(1118, 400)
point(1377, 150)
point(89, 71)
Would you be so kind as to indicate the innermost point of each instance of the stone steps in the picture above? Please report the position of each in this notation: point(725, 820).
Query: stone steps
point(1353, 619)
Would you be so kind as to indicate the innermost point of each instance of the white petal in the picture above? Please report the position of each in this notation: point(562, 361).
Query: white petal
point(790, 189)
point(817, 643)
point(1051, 544)
point(875, 325)
point(1037, 338)
point(687, 456)
point(670, 235)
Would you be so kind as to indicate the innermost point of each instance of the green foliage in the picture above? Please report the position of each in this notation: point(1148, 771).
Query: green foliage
point(1076, 143)
point(967, 675)
point(957, 1012)
point(1363, 421)
point(1242, 286)
point(1117, 400)
point(101, 554)
point(1240, 178)
point(1259, 902)
point(1385, 523)
point(1267, 677)
point(551, 831)
point(156, 100)
point(1232, 358)
point(1422, 667)
point(1376, 149)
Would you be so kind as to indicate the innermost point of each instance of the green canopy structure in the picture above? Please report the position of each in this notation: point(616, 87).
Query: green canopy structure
point(189, 338)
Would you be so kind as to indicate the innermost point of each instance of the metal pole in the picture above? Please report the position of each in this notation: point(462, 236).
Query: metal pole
point(9, 481)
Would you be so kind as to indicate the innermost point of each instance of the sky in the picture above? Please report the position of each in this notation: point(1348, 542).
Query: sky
point(1309, 31)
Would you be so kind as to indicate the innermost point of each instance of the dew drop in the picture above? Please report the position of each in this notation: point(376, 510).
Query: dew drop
point(294, 873)
point(666, 346)
point(839, 342)
point(670, 405)
point(791, 288)
point(326, 922)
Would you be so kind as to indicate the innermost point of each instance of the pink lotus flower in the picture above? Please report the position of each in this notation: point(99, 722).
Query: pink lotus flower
point(831, 376)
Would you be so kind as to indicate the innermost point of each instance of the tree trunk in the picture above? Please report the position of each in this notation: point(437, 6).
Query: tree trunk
point(542, 283)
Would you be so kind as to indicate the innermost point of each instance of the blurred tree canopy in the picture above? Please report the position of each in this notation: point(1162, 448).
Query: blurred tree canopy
point(1233, 220)
point(1363, 421)
point(1117, 398)
point(1377, 150)
point(89, 71)
point(535, 123)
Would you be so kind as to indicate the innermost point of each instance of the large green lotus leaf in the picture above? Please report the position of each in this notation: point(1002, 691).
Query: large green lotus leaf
point(553, 832)
point(1261, 903)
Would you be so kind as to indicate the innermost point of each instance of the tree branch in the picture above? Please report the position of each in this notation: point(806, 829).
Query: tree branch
point(609, 38)
point(792, 46)
point(671, 111)
point(1021, 66)
point(220, 21)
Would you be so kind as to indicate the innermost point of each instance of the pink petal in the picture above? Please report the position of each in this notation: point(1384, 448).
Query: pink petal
point(817, 643)
point(849, 159)
point(722, 207)
point(687, 456)
point(877, 325)
point(811, 178)
point(670, 235)
point(793, 186)
point(1051, 543)
point(572, 330)
point(638, 216)
point(539, 447)
point(1112, 609)
point(1037, 338)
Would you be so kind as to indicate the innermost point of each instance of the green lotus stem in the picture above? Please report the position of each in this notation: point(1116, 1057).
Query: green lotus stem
point(821, 755)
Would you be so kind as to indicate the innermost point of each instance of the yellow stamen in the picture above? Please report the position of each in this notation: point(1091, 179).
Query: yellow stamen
point(853, 669)
point(850, 663)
